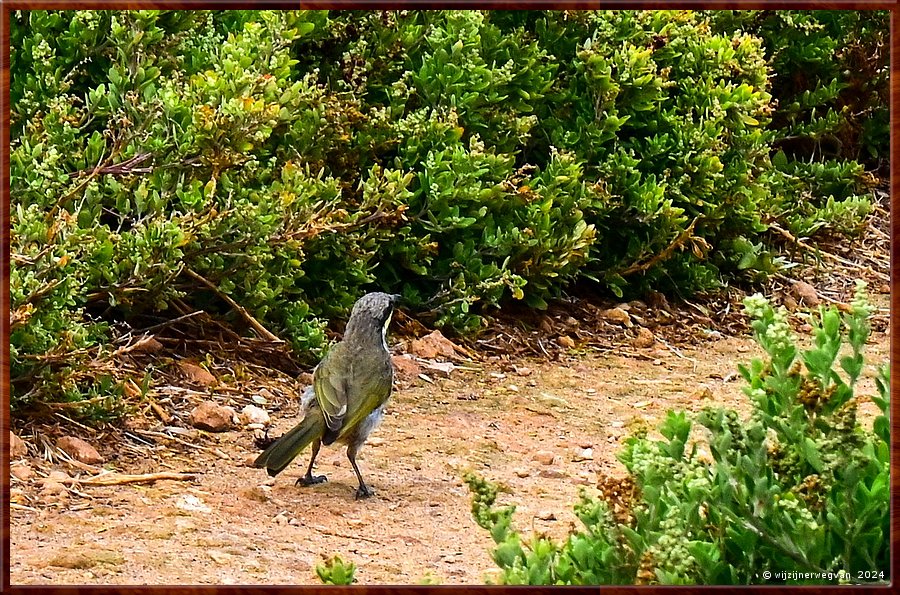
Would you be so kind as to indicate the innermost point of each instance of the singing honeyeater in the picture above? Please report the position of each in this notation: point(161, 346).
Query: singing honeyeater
point(347, 398)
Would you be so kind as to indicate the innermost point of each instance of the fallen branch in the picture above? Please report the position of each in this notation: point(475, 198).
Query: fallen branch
point(815, 250)
point(112, 479)
point(683, 237)
point(259, 328)
point(129, 166)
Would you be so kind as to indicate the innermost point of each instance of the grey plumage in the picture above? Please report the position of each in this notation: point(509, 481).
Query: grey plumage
point(346, 401)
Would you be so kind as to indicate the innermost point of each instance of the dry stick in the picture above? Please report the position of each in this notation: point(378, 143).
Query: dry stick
point(790, 237)
point(260, 329)
point(17, 506)
point(683, 237)
point(168, 323)
point(179, 440)
point(117, 479)
point(136, 345)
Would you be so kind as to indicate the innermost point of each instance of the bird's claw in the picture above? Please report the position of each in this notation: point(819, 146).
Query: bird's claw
point(363, 492)
point(310, 480)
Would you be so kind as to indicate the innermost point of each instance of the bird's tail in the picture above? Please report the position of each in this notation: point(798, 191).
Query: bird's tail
point(281, 452)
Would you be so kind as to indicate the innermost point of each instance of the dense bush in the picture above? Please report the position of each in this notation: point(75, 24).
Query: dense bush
point(295, 159)
point(830, 72)
point(800, 487)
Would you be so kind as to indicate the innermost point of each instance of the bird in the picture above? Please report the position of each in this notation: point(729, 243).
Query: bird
point(347, 399)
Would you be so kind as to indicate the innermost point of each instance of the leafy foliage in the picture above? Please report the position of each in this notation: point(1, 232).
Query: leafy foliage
point(296, 159)
point(800, 488)
point(336, 572)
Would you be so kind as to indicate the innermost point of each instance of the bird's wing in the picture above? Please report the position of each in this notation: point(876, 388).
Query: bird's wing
point(330, 383)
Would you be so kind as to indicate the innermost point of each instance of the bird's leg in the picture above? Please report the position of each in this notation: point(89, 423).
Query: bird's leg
point(363, 491)
point(309, 479)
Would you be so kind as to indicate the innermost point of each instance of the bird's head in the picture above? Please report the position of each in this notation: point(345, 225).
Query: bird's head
point(372, 312)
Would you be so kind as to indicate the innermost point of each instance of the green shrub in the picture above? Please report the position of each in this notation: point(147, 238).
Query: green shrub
point(800, 487)
point(336, 572)
point(829, 69)
point(293, 160)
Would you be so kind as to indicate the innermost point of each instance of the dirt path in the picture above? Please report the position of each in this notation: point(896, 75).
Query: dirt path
point(235, 526)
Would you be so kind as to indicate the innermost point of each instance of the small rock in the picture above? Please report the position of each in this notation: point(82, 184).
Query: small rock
point(644, 339)
point(544, 457)
point(640, 404)
point(212, 417)
point(522, 370)
point(405, 366)
point(617, 315)
point(280, 519)
point(566, 341)
point(434, 345)
point(21, 472)
point(191, 503)
point(440, 368)
point(522, 472)
point(806, 293)
point(545, 515)
point(552, 473)
point(195, 373)
point(512, 388)
point(79, 450)
point(148, 345)
point(617, 424)
point(583, 454)
point(50, 487)
point(260, 399)
point(374, 441)
point(248, 462)
point(293, 522)
point(17, 447)
point(256, 493)
point(60, 476)
point(251, 414)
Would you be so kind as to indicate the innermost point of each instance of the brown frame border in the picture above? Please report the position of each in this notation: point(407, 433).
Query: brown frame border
point(10, 5)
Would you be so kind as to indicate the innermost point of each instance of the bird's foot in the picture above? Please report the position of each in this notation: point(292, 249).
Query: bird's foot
point(310, 480)
point(364, 491)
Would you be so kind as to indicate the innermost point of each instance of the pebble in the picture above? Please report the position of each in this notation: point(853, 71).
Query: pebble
point(251, 414)
point(583, 454)
point(196, 373)
point(79, 450)
point(21, 472)
point(17, 447)
point(544, 457)
point(566, 341)
point(212, 417)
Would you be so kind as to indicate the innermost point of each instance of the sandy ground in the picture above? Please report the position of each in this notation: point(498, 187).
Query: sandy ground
point(235, 526)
